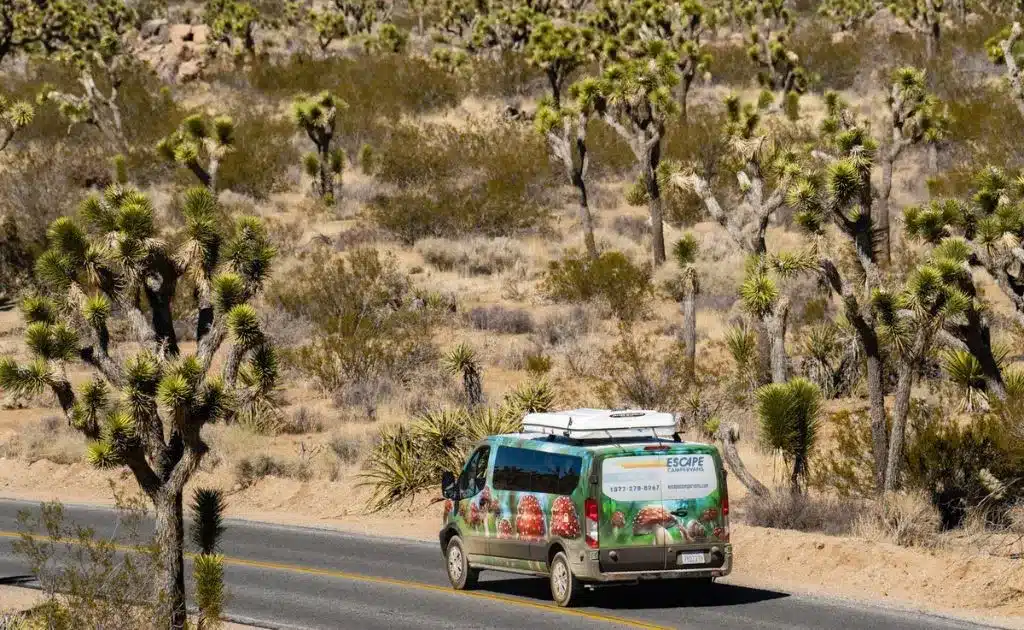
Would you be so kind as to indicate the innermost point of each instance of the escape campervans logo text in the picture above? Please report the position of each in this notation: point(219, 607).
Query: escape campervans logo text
point(685, 464)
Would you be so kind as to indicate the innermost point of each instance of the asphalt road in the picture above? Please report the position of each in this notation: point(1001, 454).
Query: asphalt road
point(291, 577)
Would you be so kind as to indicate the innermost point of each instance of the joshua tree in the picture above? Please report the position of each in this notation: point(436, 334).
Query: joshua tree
point(909, 322)
point(762, 298)
point(916, 116)
point(558, 51)
point(198, 140)
point(1003, 49)
point(566, 132)
point(788, 415)
point(14, 116)
point(685, 288)
point(208, 567)
point(317, 116)
point(635, 98)
point(779, 66)
point(848, 15)
point(462, 360)
point(97, 46)
point(110, 263)
point(924, 17)
point(31, 26)
point(763, 161)
point(329, 26)
point(231, 21)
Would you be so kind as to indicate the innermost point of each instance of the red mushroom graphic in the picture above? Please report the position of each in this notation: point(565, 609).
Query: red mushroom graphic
point(505, 528)
point(654, 520)
point(529, 518)
point(486, 504)
point(709, 515)
point(475, 516)
point(721, 534)
point(618, 520)
point(695, 531)
point(564, 520)
point(448, 505)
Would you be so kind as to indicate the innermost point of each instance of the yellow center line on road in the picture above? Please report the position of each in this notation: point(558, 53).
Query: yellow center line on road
point(358, 577)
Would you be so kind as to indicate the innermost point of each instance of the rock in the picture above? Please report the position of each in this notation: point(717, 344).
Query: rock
point(178, 33)
point(189, 70)
point(201, 34)
point(156, 29)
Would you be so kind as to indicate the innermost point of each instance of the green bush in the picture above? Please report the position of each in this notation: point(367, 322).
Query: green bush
point(451, 182)
point(612, 279)
point(262, 158)
point(368, 325)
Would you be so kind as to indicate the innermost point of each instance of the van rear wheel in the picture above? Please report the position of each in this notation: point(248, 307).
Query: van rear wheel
point(565, 588)
point(460, 574)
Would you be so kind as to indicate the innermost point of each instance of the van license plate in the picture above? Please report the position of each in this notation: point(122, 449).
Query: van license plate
point(690, 558)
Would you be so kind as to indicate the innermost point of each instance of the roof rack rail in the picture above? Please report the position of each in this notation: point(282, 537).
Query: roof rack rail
point(583, 424)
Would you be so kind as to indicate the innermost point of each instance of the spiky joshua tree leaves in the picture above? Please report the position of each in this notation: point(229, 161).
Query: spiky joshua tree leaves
point(199, 144)
point(14, 116)
point(232, 21)
point(462, 360)
point(207, 510)
point(789, 422)
point(147, 412)
point(317, 116)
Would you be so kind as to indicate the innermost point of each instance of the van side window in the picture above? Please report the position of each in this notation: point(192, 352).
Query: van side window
point(525, 470)
point(474, 477)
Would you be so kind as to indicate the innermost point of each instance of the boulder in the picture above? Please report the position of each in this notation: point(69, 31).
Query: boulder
point(156, 31)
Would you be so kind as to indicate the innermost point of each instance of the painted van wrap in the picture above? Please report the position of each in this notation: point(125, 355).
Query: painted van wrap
point(660, 500)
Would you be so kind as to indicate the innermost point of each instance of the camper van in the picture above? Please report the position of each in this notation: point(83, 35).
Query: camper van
point(588, 497)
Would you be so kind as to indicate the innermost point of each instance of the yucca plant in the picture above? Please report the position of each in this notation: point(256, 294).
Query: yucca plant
point(199, 144)
point(207, 509)
point(685, 288)
point(462, 360)
point(789, 421)
point(317, 116)
point(964, 371)
point(14, 116)
point(741, 342)
point(145, 413)
point(533, 396)
point(395, 471)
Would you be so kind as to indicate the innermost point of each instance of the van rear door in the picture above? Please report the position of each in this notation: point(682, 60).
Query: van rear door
point(655, 505)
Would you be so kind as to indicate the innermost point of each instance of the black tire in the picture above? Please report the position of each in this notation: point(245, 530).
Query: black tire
point(565, 588)
point(460, 574)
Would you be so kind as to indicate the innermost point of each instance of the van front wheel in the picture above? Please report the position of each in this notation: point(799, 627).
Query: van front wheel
point(460, 574)
point(565, 588)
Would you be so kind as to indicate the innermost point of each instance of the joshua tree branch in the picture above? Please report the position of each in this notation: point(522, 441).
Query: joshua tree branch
point(700, 186)
point(730, 435)
point(1013, 71)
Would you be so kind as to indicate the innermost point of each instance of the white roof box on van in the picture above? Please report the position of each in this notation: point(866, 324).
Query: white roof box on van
point(583, 424)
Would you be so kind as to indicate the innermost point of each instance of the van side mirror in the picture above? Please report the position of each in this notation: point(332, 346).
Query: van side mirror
point(449, 487)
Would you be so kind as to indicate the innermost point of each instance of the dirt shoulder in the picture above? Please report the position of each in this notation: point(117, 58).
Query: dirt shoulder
point(942, 580)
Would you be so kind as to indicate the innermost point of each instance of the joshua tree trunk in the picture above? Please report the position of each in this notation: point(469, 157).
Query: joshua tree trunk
point(170, 534)
point(775, 325)
point(574, 133)
point(933, 157)
point(764, 353)
point(881, 214)
point(654, 206)
point(326, 181)
point(876, 400)
point(473, 387)
point(900, 408)
point(586, 219)
point(729, 436)
point(689, 332)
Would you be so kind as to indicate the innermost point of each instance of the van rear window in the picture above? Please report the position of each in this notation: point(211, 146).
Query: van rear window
point(525, 470)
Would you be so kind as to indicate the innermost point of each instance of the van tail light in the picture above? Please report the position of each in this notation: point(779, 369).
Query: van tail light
point(725, 502)
point(590, 512)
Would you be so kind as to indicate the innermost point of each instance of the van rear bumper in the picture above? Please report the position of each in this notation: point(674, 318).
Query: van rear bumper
point(589, 569)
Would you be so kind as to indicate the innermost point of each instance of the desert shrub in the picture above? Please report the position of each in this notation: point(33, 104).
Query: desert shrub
point(612, 279)
point(250, 470)
point(610, 156)
point(370, 326)
point(497, 318)
point(303, 420)
point(907, 519)
point(15, 260)
point(848, 466)
point(263, 160)
point(837, 64)
point(783, 509)
point(564, 326)
point(633, 228)
point(49, 438)
point(86, 579)
point(506, 76)
point(537, 364)
point(476, 256)
point(634, 373)
point(450, 182)
point(731, 65)
point(348, 449)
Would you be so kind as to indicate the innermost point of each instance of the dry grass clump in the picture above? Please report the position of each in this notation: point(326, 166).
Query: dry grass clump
point(250, 470)
point(49, 438)
point(301, 421)
point(497, 318)
point(347, 448)
point(907, 519)
point(472, 257)
point(783, 509)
